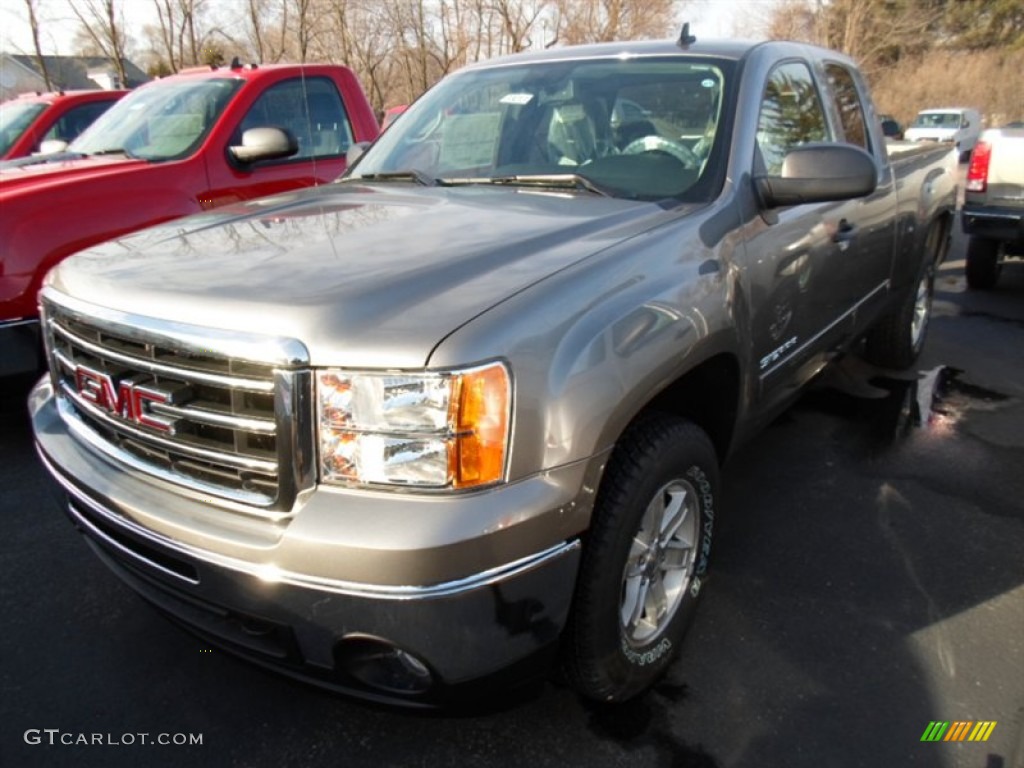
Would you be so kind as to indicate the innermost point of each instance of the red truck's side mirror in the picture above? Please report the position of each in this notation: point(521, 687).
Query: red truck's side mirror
point(265, 143)
point(819, 173)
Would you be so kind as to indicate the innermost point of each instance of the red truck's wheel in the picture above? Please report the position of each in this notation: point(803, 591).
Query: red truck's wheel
point(645, 558)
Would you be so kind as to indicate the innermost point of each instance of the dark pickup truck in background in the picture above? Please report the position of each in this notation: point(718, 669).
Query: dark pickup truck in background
point(178, 145)
point(462, 412)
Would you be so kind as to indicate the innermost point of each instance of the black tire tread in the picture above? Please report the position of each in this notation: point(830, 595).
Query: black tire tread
point(982, 265)
point(888, 343)
point(643, 441)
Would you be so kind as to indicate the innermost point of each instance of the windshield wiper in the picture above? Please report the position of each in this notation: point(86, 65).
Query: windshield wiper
point(557, 180)
point(53, 157)
point(114, 151)
point(413, 175)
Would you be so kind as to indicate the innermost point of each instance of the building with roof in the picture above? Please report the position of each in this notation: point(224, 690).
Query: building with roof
point(21, 73)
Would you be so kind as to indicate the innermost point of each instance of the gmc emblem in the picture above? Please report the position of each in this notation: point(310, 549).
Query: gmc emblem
point(128, 398)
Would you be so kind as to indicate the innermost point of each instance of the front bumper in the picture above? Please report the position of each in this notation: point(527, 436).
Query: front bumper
point(502, 622)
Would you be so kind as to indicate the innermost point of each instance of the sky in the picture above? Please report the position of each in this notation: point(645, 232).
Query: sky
point(711, 18)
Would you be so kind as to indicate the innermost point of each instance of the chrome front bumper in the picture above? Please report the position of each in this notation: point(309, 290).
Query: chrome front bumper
point(464, 630)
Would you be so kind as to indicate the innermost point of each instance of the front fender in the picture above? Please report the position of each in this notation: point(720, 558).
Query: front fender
point(589, 347)
point(41, 227)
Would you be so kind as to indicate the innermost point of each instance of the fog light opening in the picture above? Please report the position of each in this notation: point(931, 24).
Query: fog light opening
point(381, 665)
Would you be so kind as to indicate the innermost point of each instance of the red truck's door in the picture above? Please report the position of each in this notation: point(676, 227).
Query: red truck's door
point(312, 109)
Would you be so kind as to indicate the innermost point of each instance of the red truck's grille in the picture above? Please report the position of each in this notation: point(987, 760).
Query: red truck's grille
point(186, 413)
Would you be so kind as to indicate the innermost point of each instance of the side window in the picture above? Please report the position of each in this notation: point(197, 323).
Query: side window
point(311, 110)
point(76, 120)
point(791, 114)
point(851, 113)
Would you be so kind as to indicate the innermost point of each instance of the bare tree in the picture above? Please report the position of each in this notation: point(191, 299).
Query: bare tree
point(182, 37)
point(304, 24)
point(255, 17)
point(34, 25)
point(356, 37)
point(590, 21)
point(103, 24)
point(518, 19)
point(875, 32)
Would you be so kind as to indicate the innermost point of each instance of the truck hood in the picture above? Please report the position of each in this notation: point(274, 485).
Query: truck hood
point(363, 275)
point(16, 175)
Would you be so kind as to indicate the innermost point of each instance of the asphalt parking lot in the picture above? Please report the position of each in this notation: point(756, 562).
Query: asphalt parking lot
point(868, 580)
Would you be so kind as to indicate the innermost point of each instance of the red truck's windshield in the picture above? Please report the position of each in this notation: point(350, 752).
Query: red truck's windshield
point(14, 120)
point(161, 122)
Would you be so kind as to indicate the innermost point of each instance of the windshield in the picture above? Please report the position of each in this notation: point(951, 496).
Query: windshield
point(937, 120)
point(639, 128)
point(164, 121)
point(14, 120)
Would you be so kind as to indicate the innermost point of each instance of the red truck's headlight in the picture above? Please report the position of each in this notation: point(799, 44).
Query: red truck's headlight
point(430, 430)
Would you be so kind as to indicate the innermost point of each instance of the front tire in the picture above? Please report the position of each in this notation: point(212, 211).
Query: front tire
point(645, 559)
point(983, 263)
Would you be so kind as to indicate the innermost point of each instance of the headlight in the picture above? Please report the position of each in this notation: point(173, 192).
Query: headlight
point(431, 430)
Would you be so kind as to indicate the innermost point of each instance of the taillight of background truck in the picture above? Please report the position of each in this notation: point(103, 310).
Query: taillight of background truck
point(977, 172)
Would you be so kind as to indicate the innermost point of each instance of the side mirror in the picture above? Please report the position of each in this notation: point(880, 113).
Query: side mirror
point(266, 143)
point(819, 173)
point(355, 152)
point(50, 146)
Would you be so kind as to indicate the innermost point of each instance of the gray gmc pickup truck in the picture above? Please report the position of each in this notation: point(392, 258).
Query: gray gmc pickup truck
point(459, 416)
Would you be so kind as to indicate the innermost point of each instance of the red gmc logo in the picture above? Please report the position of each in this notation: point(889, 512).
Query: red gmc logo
point(127, 398)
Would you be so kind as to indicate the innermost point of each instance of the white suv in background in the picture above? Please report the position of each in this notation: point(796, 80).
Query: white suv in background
point(959, 125)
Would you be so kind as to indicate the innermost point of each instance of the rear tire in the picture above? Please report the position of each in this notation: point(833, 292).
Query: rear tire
point(983, 263)
point(645, 559)
point(897, 339)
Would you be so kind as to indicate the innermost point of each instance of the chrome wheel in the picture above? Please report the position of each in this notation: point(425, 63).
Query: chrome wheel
point(922, 310)
point(660, 563)
point(645, 559)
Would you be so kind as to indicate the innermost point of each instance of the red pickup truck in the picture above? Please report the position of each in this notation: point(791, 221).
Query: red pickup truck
point(32, 118)
point(179, 145)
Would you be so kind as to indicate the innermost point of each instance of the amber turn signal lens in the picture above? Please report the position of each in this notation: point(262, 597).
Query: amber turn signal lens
point(484, 398)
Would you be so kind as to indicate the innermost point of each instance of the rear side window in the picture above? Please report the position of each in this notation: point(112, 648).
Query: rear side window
point(851, 111)
point(310, 109)
point(791, 114)
point(76, 120)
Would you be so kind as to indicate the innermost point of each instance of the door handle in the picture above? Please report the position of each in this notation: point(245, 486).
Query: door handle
point(845, 232)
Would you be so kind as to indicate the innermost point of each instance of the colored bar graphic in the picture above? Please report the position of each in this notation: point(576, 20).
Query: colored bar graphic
point(958, 730)
point(982, 731)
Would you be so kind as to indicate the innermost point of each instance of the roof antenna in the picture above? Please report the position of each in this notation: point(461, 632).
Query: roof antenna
point(685, 38)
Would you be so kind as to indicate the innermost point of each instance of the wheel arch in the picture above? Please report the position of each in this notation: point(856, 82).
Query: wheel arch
point(707, 395)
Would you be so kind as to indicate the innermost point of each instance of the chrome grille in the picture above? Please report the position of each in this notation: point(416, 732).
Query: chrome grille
point(186, 411)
